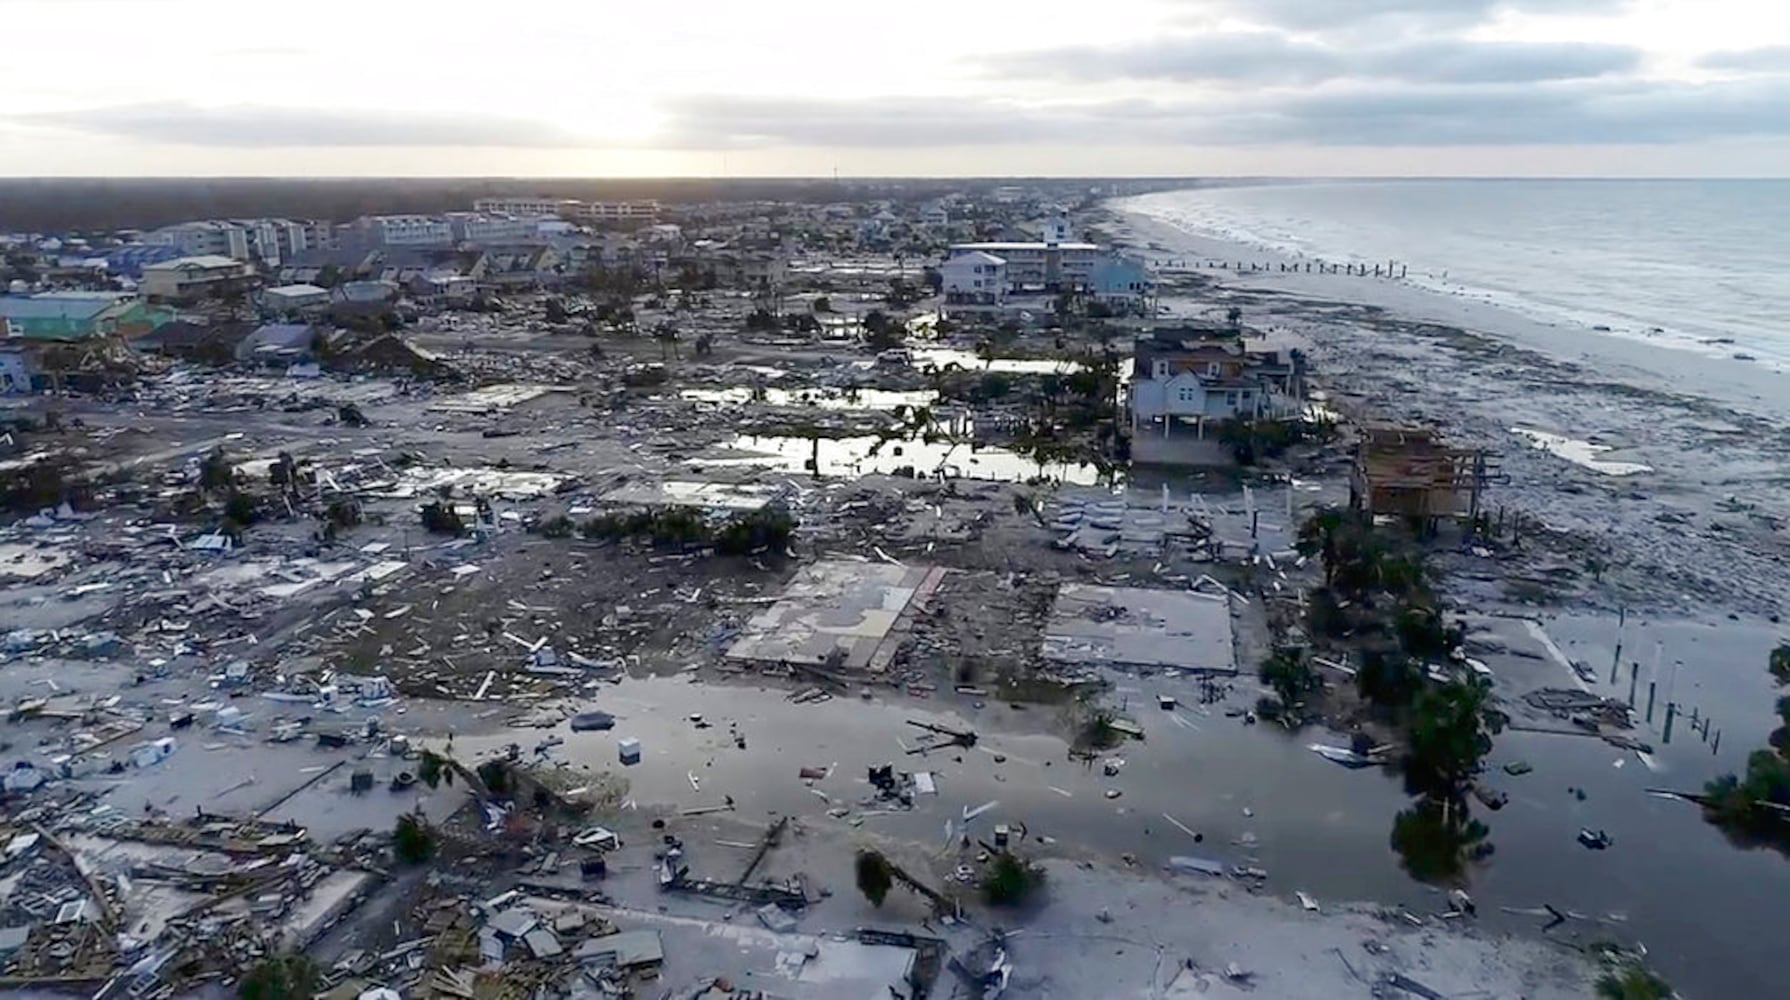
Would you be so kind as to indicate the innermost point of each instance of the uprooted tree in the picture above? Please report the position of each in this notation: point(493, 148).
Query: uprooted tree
point(875, 877)
point(1287, 671)
point(412, 840)
point(280, 977)
point(1011, 880)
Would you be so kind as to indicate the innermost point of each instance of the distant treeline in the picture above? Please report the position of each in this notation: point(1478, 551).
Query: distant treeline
point(55, 205)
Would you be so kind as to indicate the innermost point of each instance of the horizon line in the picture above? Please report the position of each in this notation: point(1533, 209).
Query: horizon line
point(843, 178)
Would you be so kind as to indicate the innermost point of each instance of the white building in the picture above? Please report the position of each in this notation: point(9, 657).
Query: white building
point(404, 230)
point(974, 279)
point(1039, 265)
point(201, 238)
point(616, 211)
point(934, 215)
point(1053, 229)
point(527, 208)
point(476, 227)
point(1208, 380)
point(194, 277)
point(269, 241)
point(292, 298)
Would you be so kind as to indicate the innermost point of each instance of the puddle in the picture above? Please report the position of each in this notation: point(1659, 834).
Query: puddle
point(869, 454)
point(1023, 777)
point(940, 358)
point(1581, 453)
point(824, 398)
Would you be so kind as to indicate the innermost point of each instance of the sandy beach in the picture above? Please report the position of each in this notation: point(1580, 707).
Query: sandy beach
point(1663, 465)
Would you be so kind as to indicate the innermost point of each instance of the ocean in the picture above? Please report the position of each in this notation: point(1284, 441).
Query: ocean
point(1699, 265)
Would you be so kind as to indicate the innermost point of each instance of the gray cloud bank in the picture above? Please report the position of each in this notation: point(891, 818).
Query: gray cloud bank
point(1770, 59)
point(1380, 16)
point(1258, 57)
point(247, 126)
point(1564, 113)
point(1364, 113)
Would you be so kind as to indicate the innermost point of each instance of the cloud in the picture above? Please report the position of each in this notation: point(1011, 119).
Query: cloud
point(1266, 57)
point(1770, 59)
point(253, 126)
point(1464, 61)
point(1353, 16)
point(724, 121)
point(1601, 112)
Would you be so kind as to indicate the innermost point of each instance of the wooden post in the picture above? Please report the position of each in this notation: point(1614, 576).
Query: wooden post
point(1671, 711)
point(1651, 685)
point(1621, 618)
point(1634, 677)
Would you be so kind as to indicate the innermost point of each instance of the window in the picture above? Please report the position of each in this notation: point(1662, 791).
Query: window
point(1212, 370)
point(1230, 398)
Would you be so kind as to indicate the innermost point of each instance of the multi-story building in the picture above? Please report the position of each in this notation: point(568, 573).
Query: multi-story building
point(205, 237)
point(189, 278)
point(403, 230)
point(1198, 376)
point(527, 208)
point(268, 241)
point(973, 279)
point(1050, 266)
point(478, 227)
point(571, 208)
point(615, 211)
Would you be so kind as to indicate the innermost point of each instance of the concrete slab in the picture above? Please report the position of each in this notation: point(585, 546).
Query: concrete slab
point(1125, 626)
point(847, 606)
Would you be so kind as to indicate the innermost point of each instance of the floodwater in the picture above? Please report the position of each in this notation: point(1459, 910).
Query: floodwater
point(870, 454)
point(1699, 904)
point(825, 398)
point(1581, 453)
point(941, 358)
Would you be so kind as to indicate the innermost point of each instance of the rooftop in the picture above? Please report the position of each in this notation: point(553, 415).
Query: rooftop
point(201, 262)
point(40, 307)
point(997, 247)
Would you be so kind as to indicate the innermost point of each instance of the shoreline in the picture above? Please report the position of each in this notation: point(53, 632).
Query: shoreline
point(1663, 365)
point(1673, 484)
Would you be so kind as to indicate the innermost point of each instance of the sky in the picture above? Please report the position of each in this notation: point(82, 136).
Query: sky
point(576, 88)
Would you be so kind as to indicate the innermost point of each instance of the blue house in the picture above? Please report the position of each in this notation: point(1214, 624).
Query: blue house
point(1121, 283)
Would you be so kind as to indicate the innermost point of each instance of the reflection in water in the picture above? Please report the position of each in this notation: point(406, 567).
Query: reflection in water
point(1436, 839)
point(866, 454)
point(824, 398)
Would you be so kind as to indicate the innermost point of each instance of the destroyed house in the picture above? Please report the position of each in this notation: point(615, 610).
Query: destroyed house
point(211, 344)
point(281, 343)
point(1409, 472)
point(520, 267)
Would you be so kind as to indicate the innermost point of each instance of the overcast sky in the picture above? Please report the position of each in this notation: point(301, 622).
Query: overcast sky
point(934, 87)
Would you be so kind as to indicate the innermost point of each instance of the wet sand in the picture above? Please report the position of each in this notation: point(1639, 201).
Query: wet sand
point(1667, 466)
point(1703, 531)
